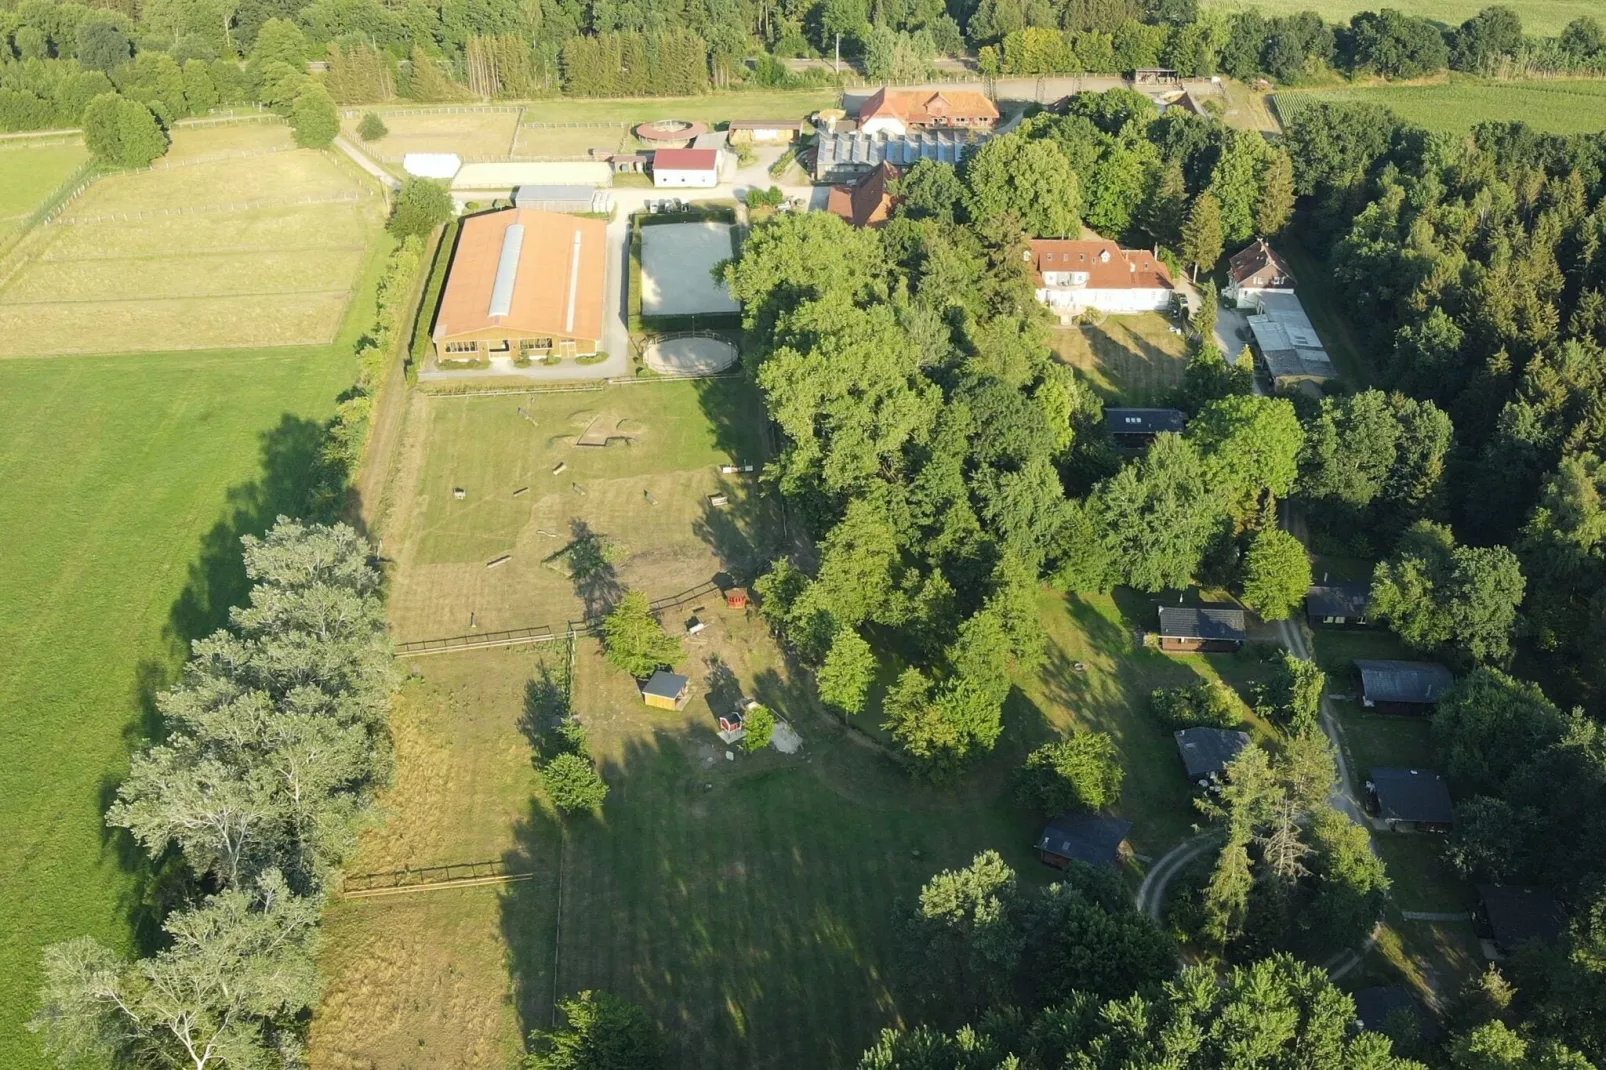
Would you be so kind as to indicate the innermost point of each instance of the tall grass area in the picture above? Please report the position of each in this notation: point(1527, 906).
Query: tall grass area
point(1546, 17)
point(124, 488)
point(1562, 107)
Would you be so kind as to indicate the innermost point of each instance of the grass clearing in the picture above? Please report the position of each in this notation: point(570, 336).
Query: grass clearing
point(467, 132)
point(30, 172)
point(1546, 17)
point(104, 280)
point(1557, 107)
point(1110, 693)
point(1133, 359)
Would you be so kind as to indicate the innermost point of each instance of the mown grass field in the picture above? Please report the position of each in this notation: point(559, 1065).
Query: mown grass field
point(569, 142)
point(1538, 16)
point(480, 132)
point(666, 443)
point(1577, 107)
point(123, 489)
point(1134, 359)
point(103, 279)
point(30, 172)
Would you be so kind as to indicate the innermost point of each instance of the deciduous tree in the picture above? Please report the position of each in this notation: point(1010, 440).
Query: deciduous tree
point(1276, 574)
point(635, 641)
point(600, 1032)
point(1083, 772)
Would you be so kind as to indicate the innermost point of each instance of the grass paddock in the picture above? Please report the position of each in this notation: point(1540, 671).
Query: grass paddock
point(481, 132)
point(105, 280)
point(31, 172)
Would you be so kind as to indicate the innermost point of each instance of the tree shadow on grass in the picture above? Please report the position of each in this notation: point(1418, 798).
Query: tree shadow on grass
point(291, 461)
point(744, 533)
point(546, 705)
point(734, 905)
point(596, 580)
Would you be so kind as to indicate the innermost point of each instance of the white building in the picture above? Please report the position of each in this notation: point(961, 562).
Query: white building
point(1075, 276)
point(432, 164)
point(683, 168)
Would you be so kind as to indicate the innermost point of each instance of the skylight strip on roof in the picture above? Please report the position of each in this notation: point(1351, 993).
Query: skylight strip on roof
point(507, 270)
point(574, 283)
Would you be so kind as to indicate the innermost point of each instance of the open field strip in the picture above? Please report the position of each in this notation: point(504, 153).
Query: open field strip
point(116, 274)
point(1560, 107)
point(1546, 17)
point(122, 498)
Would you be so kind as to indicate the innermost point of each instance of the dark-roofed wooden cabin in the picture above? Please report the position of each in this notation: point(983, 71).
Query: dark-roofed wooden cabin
point(1207, 629)
point(1402, 686)
point(1510, 916)
point(1414, 798)
point(1206, 752)
point(1092, 838)
point(1136, 428)
point(1338, 605)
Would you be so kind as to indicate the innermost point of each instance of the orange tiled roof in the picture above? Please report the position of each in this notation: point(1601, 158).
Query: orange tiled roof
point(556, 283)
point(1108, 266)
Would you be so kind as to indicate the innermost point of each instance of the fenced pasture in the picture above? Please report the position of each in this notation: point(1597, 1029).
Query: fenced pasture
point(1134, 359)
point(467, 132)
point(30, 172)
point(1559, 107)
point(632, 510)
point(562, 140)
point(1546, 17)
point(232, 243)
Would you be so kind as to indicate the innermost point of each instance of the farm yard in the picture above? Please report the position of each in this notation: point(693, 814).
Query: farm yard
point(1538, 16)
point(241, 240)
point(32, 169)
point(1560, 107)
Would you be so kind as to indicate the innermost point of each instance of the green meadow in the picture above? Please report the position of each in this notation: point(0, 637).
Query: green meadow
point(1577, 107)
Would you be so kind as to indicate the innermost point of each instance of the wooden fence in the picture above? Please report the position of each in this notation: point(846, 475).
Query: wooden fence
point(217, 209)
point(430, 878)
point(540, 633)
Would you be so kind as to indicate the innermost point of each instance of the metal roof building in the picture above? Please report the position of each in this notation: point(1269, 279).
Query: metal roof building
point(1202, 622)
point(568, 198)
point(839, 157)
point(1419, 683)
point(1288, 341)
point(1513, 916)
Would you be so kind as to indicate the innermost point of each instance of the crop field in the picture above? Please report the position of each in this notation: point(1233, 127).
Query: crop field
point(30, 172)
point(1135, 359)
point(642, 499)
point(123, 491)
point(212, 250)
point(473, 132)
point(1546, 17)
point(1577, 107)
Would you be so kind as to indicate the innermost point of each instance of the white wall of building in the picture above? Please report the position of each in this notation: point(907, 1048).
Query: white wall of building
point(1074, 300)
point(695, 179)
point(884, 124)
